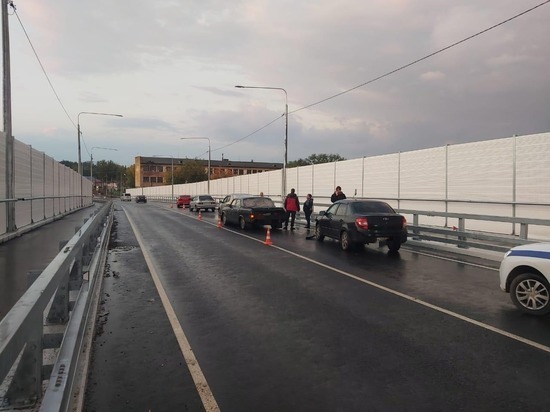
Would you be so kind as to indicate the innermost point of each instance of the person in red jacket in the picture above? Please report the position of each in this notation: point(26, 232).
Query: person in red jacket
point(291, 205)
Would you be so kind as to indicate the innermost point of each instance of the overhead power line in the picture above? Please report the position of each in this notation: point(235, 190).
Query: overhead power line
point(398, 69)
point(422, 58)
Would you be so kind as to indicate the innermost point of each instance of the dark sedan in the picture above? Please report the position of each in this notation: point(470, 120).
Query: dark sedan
point(358, 222)
point(141, 199)
point(253, 211)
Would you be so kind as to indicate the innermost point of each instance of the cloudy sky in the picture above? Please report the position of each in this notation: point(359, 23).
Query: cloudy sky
point(170, 67)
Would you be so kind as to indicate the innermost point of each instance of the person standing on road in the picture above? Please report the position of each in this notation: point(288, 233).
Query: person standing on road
point(308, 209)
point(337, 195)
point(291, 205)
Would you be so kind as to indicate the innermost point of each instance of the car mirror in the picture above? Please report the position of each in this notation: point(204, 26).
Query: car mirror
point(322, 213)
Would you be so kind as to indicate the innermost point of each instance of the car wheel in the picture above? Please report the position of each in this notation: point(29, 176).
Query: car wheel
point(530, 292)
point(345, 241)
point(242, 223)
point(393, 244)
point(318, 234)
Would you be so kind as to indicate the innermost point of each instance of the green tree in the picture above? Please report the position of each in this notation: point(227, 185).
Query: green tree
point(316, 159)
point(69, 164)
point(191, 171)
point(130, 177)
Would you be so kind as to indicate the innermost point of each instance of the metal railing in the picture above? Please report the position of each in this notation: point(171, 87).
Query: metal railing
point(459, 234)
point(463, 238)
point(46, 317)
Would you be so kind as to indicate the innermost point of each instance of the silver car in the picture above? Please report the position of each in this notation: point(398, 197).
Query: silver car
point(204, 202)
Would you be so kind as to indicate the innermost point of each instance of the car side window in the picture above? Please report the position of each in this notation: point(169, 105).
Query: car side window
point(332, 210)
point(342, 210)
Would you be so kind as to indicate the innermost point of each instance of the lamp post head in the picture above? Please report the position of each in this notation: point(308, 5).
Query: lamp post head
point(239, 87)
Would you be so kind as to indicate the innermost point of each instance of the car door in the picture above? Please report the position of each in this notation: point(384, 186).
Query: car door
point(232, 211)
point(223, 204)
point(338, 220)
point(326, 221)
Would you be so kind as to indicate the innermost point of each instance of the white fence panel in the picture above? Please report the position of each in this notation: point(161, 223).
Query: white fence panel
point(422, 174)
point(481, 171)
point(471, 178)
point(55, 187)
point(22, 189)
point(349, 175)
point(305, 178)
point(533, 168)
point(381, 177)
point(291, 180)
point(324, 182)
point(38, 185)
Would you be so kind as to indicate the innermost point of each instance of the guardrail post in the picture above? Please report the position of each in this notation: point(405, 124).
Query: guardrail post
point(523, 230)
point(59, 311)
point(26, 385)
point(462, 229)
point(415, 224)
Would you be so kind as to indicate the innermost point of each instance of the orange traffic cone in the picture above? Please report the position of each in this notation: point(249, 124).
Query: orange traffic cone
point(268, 241)
point(200, 216)
point(219, 222)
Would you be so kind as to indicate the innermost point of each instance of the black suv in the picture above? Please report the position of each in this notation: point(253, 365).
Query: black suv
point(141, 199)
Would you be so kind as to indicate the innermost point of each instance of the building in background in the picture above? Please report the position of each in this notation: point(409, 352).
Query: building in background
point(152, 171)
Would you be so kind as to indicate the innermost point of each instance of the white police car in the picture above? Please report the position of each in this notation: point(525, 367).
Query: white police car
point(525, 274)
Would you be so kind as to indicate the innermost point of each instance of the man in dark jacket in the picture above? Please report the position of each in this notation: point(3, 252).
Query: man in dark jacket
point(308, 209)
point(337, 195)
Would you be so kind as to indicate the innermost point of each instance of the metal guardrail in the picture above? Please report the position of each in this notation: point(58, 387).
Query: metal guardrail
point(45, 317)
point(459, 235)
point(463, 238)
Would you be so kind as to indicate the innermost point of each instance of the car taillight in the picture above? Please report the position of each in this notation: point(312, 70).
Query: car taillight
point(252, 216)
point(362, 223)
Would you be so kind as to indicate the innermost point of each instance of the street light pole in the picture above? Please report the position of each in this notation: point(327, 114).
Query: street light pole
point(209, 154)
point(285, 159)
point(79, 151)
point(7, 112)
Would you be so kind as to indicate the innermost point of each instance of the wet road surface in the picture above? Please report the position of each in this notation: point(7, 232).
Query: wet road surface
point(302, 325)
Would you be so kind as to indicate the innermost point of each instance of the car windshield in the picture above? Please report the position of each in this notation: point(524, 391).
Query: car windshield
point(210, 198)
point(258, 202)
point(371, 207)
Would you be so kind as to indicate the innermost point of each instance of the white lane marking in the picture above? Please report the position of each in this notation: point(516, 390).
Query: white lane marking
point(404, 296)
point(207, 397)
point(451, 259)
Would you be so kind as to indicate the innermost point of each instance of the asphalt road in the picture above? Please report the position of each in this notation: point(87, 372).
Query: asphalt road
point(302, 325)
